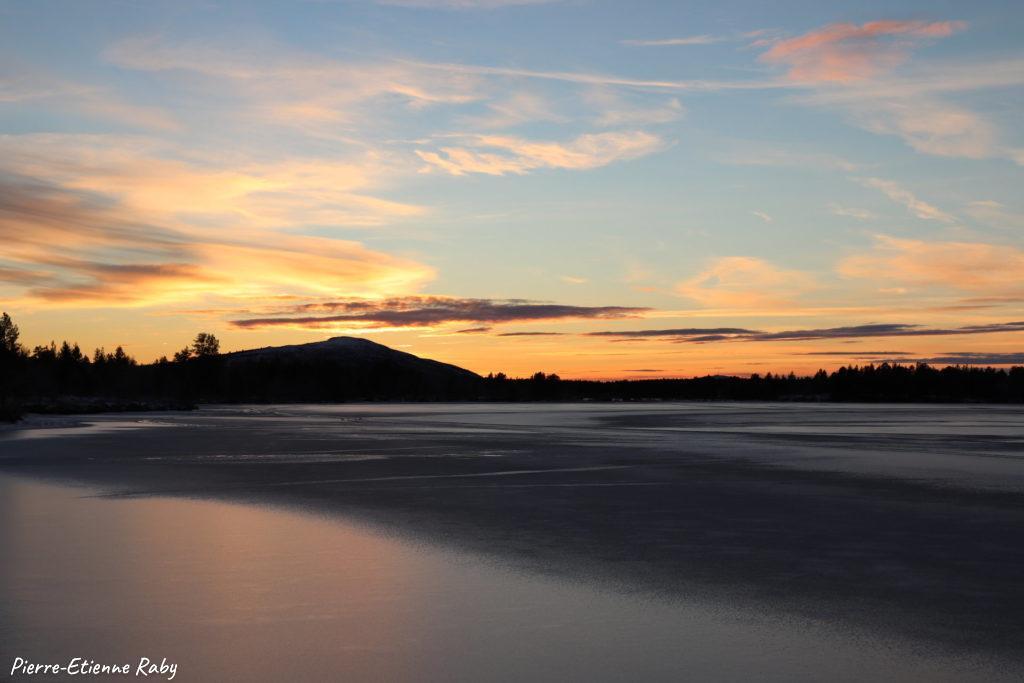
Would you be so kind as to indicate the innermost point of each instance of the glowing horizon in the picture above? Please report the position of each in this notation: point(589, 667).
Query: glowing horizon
point(594, 189)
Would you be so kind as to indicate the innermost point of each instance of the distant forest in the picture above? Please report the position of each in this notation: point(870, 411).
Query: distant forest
point(65, 379)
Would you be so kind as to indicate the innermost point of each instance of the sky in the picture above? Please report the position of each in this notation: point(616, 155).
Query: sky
point(595, 188)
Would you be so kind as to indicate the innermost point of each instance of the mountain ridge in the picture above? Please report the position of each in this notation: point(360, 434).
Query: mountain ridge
point(346, 349)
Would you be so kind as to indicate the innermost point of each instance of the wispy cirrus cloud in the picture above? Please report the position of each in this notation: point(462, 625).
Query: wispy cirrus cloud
point(355, 101)
point(513, 110)
point(850, 212)
point(282, 86)
point(703, 39)
point(29, 86)
point(573, 280)
point(426, 311)
point(911, 105)
point(269, 83)
point(605, 79)
point(930, 126)
point(747, 153)
point(501, 155)
point(995, 214)
point(761, 36)
point(858, 69)
point(901, 195)
point(615, 109)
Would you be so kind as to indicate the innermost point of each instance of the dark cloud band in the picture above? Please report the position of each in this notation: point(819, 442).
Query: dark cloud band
point(419, 311)
point(698, 335)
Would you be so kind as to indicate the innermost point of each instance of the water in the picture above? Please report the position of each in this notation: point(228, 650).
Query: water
point(232, 579)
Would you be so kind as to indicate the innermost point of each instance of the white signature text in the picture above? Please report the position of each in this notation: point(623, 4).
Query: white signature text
point(80, 666)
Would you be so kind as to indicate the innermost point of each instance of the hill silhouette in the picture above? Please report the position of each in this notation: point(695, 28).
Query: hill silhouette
point(339, 369)
point(353, 352)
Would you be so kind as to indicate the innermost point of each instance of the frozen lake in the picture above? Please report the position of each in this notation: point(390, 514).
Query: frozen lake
point(508, 542)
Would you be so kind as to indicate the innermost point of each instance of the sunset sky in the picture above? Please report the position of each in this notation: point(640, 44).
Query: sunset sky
point(596, 188)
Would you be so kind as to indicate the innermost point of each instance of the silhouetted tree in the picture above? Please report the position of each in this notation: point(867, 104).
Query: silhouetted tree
point(11, 360)
point(9, 335)
point(205, 345)
point(123, 359)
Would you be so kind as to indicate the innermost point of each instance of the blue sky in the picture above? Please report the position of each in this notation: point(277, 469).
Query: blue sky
point(285, 171)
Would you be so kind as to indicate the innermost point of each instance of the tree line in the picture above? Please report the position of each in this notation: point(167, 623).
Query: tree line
point(887, 382)
point(52, 378)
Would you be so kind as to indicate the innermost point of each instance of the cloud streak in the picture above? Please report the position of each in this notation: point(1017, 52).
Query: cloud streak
point(901, 195)
point(680, 334)
point(972, 358)
point(502, 155)
point(703, 39)
point(601, 79)
point(428, 311)
point(704, 335)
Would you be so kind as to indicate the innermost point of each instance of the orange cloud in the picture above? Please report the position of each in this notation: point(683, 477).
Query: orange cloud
point(745, 282)
point(847, 52)
point(145, 177)
point(120, 284)
point(65, 246)
point(297, 264)
point(969, 266)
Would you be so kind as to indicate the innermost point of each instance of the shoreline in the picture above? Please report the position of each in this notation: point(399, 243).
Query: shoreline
point(105, 406)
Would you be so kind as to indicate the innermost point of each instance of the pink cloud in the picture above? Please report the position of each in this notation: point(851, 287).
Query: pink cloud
point(848, 52)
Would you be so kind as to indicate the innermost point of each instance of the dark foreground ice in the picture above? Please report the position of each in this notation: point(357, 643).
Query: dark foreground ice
point(521, 542)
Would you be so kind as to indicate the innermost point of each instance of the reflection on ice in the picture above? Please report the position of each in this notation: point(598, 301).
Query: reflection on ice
point(470, 542)
point(238, 592)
